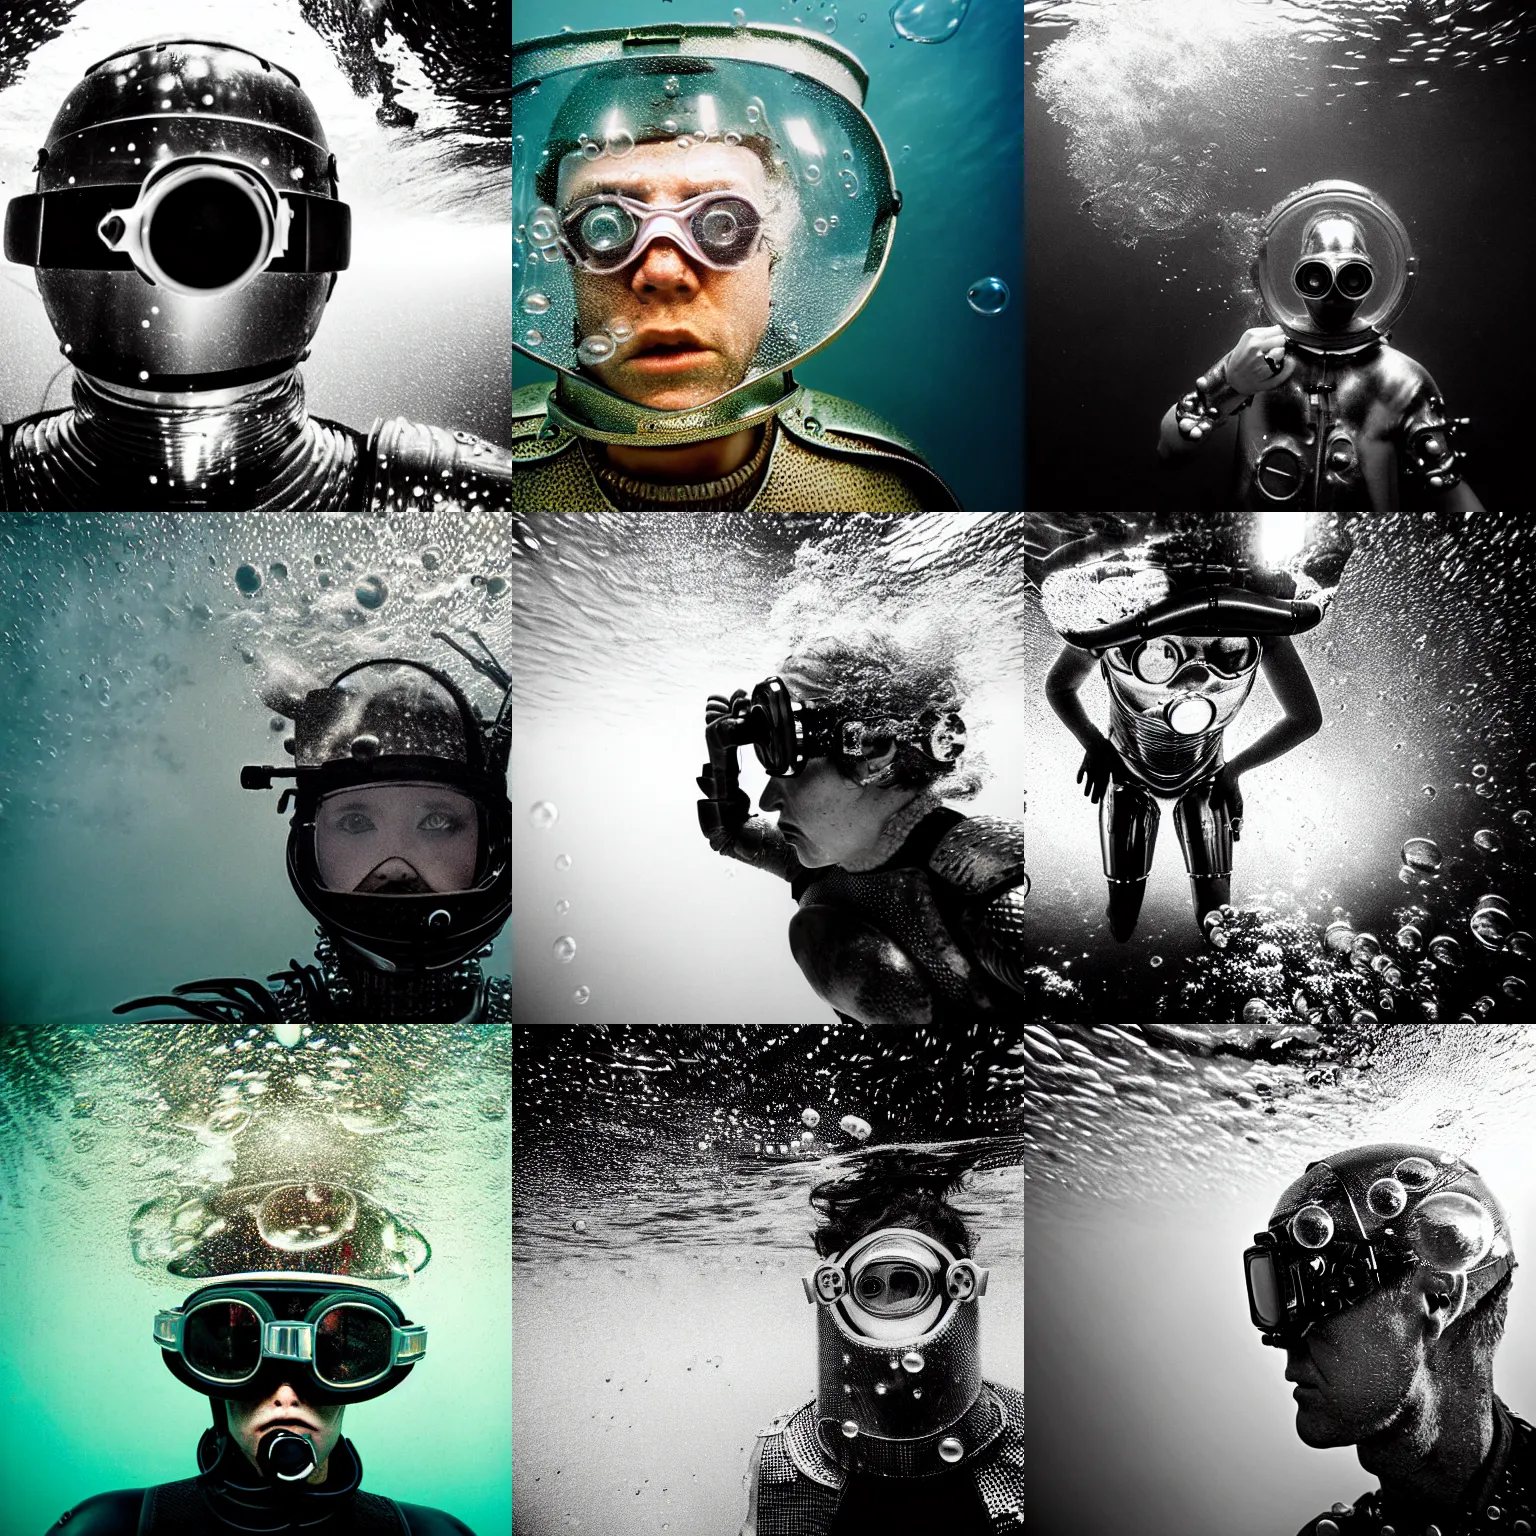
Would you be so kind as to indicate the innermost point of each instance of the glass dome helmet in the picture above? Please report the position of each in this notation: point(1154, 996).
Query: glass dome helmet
point(185, 227)
point(743, 156)
point(1360, 1220)
point(1335, 266)
point(400, 842)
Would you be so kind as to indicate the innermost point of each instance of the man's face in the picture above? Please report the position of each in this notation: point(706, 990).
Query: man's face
point(251, 1420)
point(824, 817)
point(693, 329)
point(397, 839)
point(1355, 1372)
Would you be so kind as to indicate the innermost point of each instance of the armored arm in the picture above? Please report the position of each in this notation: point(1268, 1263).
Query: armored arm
point(997, 935)
point(1286, 674)
point(725, 816)
point(984, 858)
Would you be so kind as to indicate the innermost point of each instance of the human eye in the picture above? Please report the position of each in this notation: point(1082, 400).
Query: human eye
point(441, 822)
point(355, 823)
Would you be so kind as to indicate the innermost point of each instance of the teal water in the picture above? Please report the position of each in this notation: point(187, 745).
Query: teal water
point(94, 1125)
point(951, 117)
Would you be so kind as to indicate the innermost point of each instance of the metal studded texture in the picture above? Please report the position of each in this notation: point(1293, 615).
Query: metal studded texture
point(1000, 1473)
point(999, 934)
point(785, 1501)
point(422, 468)
point(864, 1382)
point(981, 854)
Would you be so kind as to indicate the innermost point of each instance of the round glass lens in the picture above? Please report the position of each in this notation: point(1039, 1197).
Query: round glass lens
point(607, 231)
point(726, 229)
point(892, 1287)
point(1231, 654)
point(221, 1341)
point(206, 233)
point(1156, 661)
point(1354, 279)
point(1313, 279)
point(352, 1346)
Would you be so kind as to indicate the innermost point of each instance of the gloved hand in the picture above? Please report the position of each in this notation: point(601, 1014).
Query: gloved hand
point(1100, 763)
point(725, 806)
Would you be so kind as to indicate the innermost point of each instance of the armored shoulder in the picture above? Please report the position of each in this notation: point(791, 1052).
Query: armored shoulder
point(417, 467)
point(982, 855)
point(835, 428)
point(535, 436)
point(424, 1521)
point(107, 1514)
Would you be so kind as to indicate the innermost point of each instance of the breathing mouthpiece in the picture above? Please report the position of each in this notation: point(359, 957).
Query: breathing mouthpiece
point(285, 1457)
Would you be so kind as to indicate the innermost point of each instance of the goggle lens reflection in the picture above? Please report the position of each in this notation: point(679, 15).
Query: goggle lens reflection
point(222, 1341)
point(606, 230)
point(1264, 1290)
point(353, 1344)
point(1314, 278)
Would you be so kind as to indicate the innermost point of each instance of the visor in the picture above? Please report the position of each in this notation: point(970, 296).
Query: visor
point(1283, 262)
point(335, 1343)
point(787, 732)
point(404, 838)
point(1160, 660)
point(744, 149)
point(895, 1284)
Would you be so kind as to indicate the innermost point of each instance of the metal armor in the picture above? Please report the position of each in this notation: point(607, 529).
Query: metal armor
point(795, 1486)
point(823, 455)
point(1166, 763)
point(1504, 1500)
point(929, 938)
point(248, 449)
point(1337, 434)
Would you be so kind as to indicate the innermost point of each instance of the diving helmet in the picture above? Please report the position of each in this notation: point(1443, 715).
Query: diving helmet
point(1335, 266)
point(185, 227)
point(1360, 1220)
point(400, 841)
point(695, 210)
point(899, 1390)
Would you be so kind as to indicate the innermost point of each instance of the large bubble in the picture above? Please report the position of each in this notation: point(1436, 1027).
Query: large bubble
point(1451, 1230)
point(1386, 1198)
point(928, 21)
point(1415, 1174)
point(1312, 1227)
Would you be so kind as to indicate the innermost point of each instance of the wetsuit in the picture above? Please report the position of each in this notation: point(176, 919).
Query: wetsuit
point(798, 1488)
point(1502, 1497)
point(339, 989)
point(228, 1497)
point(932, 936)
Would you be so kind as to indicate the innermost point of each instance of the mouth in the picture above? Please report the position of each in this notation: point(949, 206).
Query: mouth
point(298, 1426)
point(668, 352)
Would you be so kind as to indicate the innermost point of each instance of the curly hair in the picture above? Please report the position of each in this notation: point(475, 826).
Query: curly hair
point(893, 1187)
point(885, 675)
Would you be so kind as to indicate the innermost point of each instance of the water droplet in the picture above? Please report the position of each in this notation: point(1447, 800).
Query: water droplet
point(812, 174)
point(739, 17)
point(564, 949)
point(950, 1450)
point(850, 1430)
point(596, 349)
point(928, 21)
point(855, 1127)
point(829, 21)
point(810, 1117)
point(533, 337)
point(581, 996)
point(371, 592)
point(820, 226)
point(562, 907)
point(248, 579)
point(535, 303)
point(544, 814)
point(621, 330)
point(1312, 1227)
point(1421, 854)
point(562, 861)
point(1488, 840)
point(912, 1362)
point(988, 296)
point(1387, 1198)
point(671, 87)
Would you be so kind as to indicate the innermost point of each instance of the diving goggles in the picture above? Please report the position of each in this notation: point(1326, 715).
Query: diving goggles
point(347, 1340)
point(895, 1283)
point(197, 226)
point(1301, 1272)
point(787, 732)
point(1160, 660)
point(607, 231)
point(1314, 278)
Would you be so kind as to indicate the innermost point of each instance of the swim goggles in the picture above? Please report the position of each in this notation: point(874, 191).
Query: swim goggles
point(607, 231)
point(895, 1283)
point(1160, 660)
point(787, 732)
point(345, 1344)
point(1315, 276)
point(1295, 1282)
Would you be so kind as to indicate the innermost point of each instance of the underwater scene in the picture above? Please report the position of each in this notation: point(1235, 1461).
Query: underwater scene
point(138, 1161)
point(662, 1228)
point(413, 99)
point(1159, 137)
point(936, 350)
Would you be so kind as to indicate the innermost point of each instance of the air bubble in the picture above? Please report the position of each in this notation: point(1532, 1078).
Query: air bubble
point(581, 996)
point(248, 579)
point(1415, 1174)
point(562, 862)
point(544, 814)
point(371, 592)
point(1445, 951)
point(852, 1126)
point(1487, 840)
point(1451, 1230)
point(820, 226)
point(619, 143)
point(1387, 1198)
point(810, 1118)
point(1422, 854)
point(928, 21)
point(596, 349)
point(535, 303)
point(988, 296)
point(564, 949)
point(1312, 1227)
point(562, 907)
point(671, 87)
point(812, 174)
point(738, 17)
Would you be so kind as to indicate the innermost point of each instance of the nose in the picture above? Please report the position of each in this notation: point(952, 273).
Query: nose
point(772, 798)
point(1194, 676)
point(663, 270)
point(287, 1396)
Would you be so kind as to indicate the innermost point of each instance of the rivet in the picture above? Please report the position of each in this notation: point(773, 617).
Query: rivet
point(851, 1430)
point(950, 1450)
point(912, 1362)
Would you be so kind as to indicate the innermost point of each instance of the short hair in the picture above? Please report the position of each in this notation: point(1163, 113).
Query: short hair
point(893, 1187)
point(874, 672)
point(1481, 1330)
